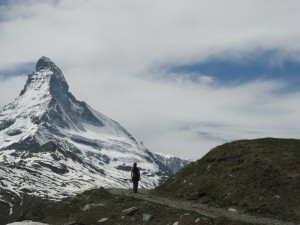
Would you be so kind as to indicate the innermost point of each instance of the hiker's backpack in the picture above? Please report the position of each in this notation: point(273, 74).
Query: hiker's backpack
point(135, 174)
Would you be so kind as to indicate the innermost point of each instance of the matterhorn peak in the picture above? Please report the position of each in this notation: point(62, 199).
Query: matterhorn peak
point(44, 62)
point(49, 137)
point(47, 74)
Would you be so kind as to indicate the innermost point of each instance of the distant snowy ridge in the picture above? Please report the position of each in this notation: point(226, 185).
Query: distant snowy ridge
point(52, 145)
point(173, 162)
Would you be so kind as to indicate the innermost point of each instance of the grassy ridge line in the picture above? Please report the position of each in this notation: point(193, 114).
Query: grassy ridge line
point(259, 177)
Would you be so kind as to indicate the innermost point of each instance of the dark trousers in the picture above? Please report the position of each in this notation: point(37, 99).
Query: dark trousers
point(135, 186)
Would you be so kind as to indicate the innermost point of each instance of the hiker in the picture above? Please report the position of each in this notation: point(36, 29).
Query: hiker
point(135, 177)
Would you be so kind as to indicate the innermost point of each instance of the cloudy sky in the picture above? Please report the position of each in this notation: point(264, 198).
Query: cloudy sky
point(181, 76)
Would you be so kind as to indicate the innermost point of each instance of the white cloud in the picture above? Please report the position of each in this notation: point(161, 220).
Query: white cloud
point(168, 116)
point(108, 51)
point(10, 88)
point(140, 33)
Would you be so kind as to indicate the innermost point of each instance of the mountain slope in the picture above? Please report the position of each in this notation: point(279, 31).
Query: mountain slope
point(253, 176)
point(53, 145)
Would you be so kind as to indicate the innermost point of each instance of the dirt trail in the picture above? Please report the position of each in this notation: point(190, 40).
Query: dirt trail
point(199, 208)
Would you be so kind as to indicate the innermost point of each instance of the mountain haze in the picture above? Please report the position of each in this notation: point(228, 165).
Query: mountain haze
point(52, 145)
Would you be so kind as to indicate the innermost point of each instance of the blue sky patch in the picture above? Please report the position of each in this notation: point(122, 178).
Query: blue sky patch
point(3, 2)
point(23, 69)
point(265, 66)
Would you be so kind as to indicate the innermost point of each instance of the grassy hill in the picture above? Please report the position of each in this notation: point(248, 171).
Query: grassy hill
point(259, 177)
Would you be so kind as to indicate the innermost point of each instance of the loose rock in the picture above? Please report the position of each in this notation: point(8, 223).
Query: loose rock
point(232, 210)
point(89, 206)
point(102, 220)
point(146, 217)
point(130, 211)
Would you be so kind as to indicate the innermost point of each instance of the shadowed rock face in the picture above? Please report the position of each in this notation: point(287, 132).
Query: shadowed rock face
point(58, 85)
point(62, 101)
point(45, 63)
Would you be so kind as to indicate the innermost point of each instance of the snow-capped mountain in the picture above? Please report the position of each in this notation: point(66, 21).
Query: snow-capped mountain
point(52, 145)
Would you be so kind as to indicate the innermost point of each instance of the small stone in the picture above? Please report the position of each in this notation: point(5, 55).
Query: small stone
point(232, 210)
point(146, 217)
point(102, 220)
point(197, 220)
point(131, 211)
point(89, 206)
point(86, 207)
point(176, 223)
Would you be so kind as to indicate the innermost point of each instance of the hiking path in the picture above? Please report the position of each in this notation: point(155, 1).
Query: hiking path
point(202, 209)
